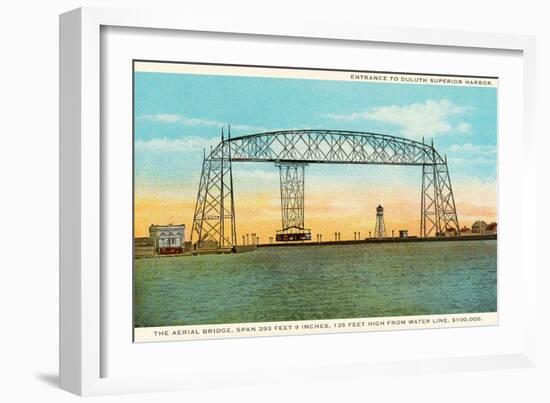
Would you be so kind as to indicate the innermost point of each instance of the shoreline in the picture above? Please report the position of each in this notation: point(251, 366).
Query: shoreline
point(372, 241)
point(384, 240)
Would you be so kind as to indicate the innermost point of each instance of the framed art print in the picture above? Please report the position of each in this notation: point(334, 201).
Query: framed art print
point(244, 202)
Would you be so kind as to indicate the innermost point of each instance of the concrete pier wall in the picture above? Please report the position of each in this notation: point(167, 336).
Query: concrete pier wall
point(384, 240)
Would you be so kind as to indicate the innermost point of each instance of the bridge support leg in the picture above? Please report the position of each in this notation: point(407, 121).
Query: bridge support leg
point(429, 223)
point(448, 219)
point(292, 203)
point(214, 218)
point(438, 211)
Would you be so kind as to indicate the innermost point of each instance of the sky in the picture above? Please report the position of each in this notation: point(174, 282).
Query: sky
point(177, 115)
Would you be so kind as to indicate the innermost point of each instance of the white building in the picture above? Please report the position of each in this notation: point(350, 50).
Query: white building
point(168, 239)
point(479, 227)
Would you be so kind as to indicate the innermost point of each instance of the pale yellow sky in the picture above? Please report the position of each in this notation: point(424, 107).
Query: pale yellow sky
point(327, 211)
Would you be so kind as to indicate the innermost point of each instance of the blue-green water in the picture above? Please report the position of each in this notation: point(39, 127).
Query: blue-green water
point(317, 282)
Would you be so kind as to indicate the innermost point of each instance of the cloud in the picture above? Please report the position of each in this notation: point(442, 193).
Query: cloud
point(464, 128)
point(428, 119)
point(182, 144)
point(173, 118)
point(192, 121)
point(469, 156)
point(472, 161)
point(472, 149)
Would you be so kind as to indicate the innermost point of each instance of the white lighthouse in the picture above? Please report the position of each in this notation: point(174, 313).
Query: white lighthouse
point(379, 228)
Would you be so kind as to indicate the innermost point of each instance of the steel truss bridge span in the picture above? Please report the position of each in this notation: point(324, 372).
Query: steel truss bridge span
point(214, 216)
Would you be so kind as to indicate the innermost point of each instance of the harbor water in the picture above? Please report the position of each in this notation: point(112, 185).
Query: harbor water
point(317, 282)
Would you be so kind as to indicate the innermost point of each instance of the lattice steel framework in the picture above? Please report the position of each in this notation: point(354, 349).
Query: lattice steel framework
point(437, 205)
point(292, 179)
point(214, 218)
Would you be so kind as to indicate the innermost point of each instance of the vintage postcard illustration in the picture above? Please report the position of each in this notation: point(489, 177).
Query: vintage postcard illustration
point(282, 201)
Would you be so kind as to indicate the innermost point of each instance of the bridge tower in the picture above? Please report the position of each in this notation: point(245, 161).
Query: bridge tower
point(379, 227)
point(214, 217)
point(437, 204)
point(292, 177)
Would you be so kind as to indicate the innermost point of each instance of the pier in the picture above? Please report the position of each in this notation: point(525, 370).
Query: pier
point(385, 240)
point(370, 241)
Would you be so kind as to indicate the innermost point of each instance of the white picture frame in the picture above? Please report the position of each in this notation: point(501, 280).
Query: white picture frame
point(81, 307)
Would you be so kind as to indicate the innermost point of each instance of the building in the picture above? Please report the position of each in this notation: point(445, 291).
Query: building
point(143, 247)
point(465, 231)
point(491, 228)
point(479, 227)
point(403, 233)
point(168, 239)
point(450, 231)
